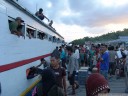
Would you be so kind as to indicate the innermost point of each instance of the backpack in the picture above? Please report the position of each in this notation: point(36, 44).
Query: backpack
point(123, 54)
point(55, 91)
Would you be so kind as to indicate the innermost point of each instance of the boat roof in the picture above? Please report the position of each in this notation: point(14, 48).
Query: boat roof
point(32, 15)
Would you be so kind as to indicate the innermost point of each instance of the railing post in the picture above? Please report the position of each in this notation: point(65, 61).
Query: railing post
point(36, 33)
point(25, 30)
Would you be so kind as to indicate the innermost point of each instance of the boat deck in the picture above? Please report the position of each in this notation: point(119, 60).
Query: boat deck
point(116, 86)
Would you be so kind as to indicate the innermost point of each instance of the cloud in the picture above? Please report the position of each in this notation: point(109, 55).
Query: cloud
point(93, 13)
point(71, 32)
point(89, 13)
point(82, 17)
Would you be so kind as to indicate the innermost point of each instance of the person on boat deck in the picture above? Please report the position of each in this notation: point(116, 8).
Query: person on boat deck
point(15, 27)
point(50, 24)
point(40, 14)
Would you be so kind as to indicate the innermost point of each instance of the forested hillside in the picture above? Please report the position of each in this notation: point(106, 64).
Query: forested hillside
point(105, 37)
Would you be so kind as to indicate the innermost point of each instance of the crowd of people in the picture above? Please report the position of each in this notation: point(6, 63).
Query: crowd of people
point(106, 59)
point(66, 62)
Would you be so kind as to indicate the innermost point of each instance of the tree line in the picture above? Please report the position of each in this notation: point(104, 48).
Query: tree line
point(102, 38)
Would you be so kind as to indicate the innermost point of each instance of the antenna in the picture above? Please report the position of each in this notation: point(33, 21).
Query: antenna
point(36, 7)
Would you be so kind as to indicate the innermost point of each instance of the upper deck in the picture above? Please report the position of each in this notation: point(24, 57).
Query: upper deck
point(32, 16)
point(12, 9)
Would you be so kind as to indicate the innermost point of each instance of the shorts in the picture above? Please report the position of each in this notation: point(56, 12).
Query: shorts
point(72, 78)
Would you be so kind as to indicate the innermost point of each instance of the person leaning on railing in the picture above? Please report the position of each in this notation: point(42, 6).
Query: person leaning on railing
point(40, 14)
point(50, 24)
point(14, 27)
point(49, 85)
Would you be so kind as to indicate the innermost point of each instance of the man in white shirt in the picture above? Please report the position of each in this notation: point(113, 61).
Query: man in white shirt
point(77, 55)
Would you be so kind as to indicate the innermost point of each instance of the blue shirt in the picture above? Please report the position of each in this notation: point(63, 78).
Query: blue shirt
point(104, 65)
point(63, 54)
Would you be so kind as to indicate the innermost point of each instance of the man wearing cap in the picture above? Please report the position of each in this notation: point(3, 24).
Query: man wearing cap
point(40, 14)
point(15, 27)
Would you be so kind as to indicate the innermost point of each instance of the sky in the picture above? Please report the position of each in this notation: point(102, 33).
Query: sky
point(75, 19)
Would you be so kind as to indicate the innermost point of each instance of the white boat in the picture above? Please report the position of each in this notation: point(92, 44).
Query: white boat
point(18, 54)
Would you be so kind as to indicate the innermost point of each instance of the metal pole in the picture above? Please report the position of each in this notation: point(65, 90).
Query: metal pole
point(36, 7)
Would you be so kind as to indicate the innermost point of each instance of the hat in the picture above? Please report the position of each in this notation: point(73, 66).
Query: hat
point(95, 84)
point(69, 48)
point(19, 18)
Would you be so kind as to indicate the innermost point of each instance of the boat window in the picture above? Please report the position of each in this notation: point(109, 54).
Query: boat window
point(58, 40)
point(20, 28)
point(41, 35)
point(46, 36)
point(30, 32)
point(10, 19)
point(50, 38)
point(63, 41)
point(54, 38)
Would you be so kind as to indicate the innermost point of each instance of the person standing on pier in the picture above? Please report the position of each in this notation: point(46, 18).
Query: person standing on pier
point(112, 61)
point(104, 65)
point(59, 71)
point(72, 67)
